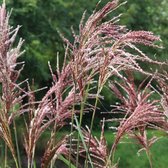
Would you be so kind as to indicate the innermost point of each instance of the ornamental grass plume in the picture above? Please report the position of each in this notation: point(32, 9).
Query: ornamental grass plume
point(11, 95)
point(53, 109)
point(102, 49)
point(139, 110)
point(107, 49)
point(9, 70)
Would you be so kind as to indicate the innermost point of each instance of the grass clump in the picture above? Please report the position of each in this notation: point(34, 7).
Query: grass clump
point(103, 54)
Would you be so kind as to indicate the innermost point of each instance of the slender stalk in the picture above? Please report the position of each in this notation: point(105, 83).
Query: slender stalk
point(53, 141)
point(28, 163)
point(112, 154)
point(6, 156)
point(32, 160)
point(94, 112)
point(16, 162)
point(80, 120)
point(91, 126)
point(17, 146)
point(52, 163)
point(72, 123)
point(149, 157)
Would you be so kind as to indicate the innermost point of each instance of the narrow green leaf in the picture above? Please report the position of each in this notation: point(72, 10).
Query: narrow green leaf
point(67, 162)
point(82, 139)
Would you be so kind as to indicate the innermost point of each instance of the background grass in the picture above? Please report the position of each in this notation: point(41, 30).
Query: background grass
point(127, 151)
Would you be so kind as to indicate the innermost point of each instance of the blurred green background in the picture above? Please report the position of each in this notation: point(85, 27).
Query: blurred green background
point(41, 20)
